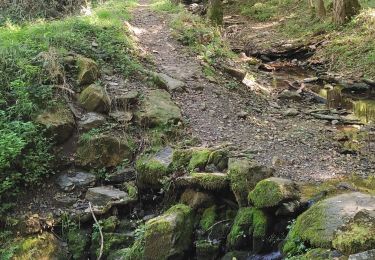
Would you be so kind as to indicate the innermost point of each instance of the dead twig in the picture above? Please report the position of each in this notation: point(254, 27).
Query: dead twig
point(100, 232)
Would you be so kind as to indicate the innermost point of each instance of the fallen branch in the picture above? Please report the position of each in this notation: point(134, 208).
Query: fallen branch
point(100, 231)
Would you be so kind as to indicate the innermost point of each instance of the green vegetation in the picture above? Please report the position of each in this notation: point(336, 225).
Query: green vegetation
point(240, 230)
point(199, 159)
point(167, 6)
point(208, 218)
point(266, 194)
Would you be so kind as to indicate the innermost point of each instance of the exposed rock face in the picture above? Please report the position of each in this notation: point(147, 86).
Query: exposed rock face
point(95, 99)
point(68, 182)
point(107, 195)
point(367, 255)
point(42, 246)
point(88, 71)
point(152, 168)
point(91, 120)
point(104, 150)
point(273, 191)
point(158, 109)
point(126, 100)
point(244, 174)
point(325, 224)
point(169, 236)
point(196, 199)
point(59, 122)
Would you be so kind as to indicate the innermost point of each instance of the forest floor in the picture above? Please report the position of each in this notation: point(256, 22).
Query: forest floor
point(299, 146)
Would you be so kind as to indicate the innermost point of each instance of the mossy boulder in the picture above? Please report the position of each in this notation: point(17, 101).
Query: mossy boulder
point(212, 181)
point(327, 221)
point(208, 218)
point(196, 199)
point(94, 98)
point(358, 235)
point(42, 246)
point(78, 242)
point(244, 174)
point(199, 159)
point(151, 169)
point(249, 230)
point(181, 158)
point(112, 241)
point(218, 160)
point(315, 254)
point(88, 71)
point(104, 150)
point(169, 236)
point(158, 109)
point(207, 250)
point(59, 122)
point(273, 191)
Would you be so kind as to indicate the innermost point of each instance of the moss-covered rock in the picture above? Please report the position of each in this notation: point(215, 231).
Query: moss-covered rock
point(42, 246)
point(273, 191)
point(319, 225)
point(151, 169)
point(199, 159)
point(181, 158)
point(358, 235)
point(88, 71)
point(169, 236)
point(244, 174)
point(112, 241)
point(213, 181)
point(94, 98)
point(59, 122)
point(78, 242)
point(218, 160)
point(249, 230)
point(206, 250)
point(208, 218)
point(315, 254)
point(104, 150)
point(238, 255)
point(109, 224)
point(196, 199)
point(158, 109)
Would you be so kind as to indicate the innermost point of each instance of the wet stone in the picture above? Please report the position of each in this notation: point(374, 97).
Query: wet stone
point(69, 182)
point(107, 195)
point(91, 120)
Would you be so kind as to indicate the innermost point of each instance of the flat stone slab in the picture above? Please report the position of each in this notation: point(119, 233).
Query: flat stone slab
point(91, 120)
point(171, 83)
point(164, 156)
point(68, 182)
point(107, 196)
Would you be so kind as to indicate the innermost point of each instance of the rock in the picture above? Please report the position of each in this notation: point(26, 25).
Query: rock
point(196, 199)
point(367, 255)
point(217, 161)
point(112, 241)
point(30, 224)
point(170, 83)
point(212, 181)
point(244, 174)
point(88, 71)
point(59, 122)
point(249, 230)
point(323, 223)
point(199, 159)
point(289, 208)
point(122, 116)
point(273, 191)
point(291, 112)
point(126, 100)
point(158, 109)
point(234, 72)
point(68, 182)
point(290, 95)
point(104, 150)
point(151, 169)
point(358, 235)
point(237, 255)
point(208, 218)
point(121, 175)
point(207, 250)
point(42, 246)
point(107, 196)
point(91, 120)
point(242, 114)
point(95, 99)
point(315, 254)
point(169, 236)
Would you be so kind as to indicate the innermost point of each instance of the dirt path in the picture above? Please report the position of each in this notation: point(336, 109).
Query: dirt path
point(298, 147)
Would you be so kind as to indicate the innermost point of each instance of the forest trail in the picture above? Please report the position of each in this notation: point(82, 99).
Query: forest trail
point(300, 147)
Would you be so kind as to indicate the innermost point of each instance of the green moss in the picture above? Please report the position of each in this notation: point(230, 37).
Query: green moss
point(112, 241)
point(180, 209)
point(109, 224)
point(136, 251)
point(259, 223)
point(209, 181)
point(266, 194)
point(219, 158)
point(208, 218)
point(150, 171)
point(77, 243)
point(181, 158)
point(199, 159)
point(206, 249)
point(358, 237)
point(132, 190)
point(238, 235)
point(315, 254)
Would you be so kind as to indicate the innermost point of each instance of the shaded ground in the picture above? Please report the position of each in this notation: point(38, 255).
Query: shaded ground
point(299, 147)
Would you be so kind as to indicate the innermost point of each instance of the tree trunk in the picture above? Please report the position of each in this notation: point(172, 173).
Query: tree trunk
point(344, 10)
point(320, 9)
point(215, 11)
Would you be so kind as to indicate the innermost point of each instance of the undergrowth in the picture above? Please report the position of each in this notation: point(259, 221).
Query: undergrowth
point(27, 82)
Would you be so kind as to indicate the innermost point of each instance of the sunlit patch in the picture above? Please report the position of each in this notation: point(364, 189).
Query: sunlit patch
point(135, 30)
